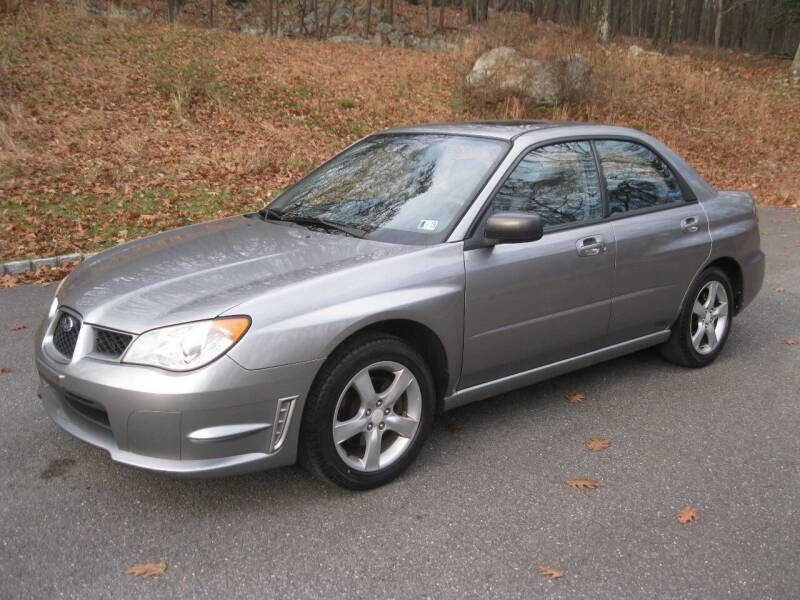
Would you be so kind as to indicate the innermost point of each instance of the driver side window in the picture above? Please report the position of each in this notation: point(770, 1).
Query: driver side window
point(558, 182)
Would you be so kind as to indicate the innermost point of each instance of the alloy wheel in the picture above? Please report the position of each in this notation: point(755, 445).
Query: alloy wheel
point(377, 416)
point(709, 320)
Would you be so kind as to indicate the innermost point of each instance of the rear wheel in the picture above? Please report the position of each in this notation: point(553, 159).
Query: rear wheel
point(368, 414)
point(704, 324)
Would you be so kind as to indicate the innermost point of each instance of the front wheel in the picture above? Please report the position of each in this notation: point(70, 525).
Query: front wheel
point(704, 324)
point(368, 414)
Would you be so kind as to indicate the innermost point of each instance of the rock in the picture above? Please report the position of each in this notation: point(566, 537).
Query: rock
point(635, 50)
point(250, 30)
point(503, 71)
point(433, 44)
point(290, 29)
point(338, 39)
point(570, 78)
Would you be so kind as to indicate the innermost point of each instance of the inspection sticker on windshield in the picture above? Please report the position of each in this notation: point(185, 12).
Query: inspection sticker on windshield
point(428, 225)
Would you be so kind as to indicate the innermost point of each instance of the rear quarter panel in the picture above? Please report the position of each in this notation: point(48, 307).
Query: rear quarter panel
point(734, 234)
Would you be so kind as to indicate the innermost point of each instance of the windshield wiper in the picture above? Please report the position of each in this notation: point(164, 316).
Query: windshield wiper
point(270, 213)
point(308, 220)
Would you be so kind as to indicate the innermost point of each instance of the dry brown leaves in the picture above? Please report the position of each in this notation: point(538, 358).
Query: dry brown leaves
point(41, 276)
point(19, 327)
point(6, 370)
point(551, 572)
point(790, 341)
point(687, 515)
point(574, 398)
point(584, 484)
point(598, 444)
point(148, 569)
point(272, 124)
point(780, 289)
point(453, 428)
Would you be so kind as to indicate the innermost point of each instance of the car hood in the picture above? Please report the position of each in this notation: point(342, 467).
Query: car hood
point(201, 271)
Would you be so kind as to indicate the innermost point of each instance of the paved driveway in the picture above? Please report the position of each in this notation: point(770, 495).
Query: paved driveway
point(484, 506)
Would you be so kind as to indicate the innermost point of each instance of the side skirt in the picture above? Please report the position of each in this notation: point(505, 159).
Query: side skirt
point(518, 380)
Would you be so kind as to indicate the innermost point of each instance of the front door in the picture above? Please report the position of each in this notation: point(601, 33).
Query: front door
point(535, 303)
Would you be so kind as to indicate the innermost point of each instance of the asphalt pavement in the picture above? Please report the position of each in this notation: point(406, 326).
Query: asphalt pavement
point(480, 511)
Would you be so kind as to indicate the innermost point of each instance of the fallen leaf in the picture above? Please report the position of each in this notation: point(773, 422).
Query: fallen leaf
point(453, 428)
point(9, 281)
point(575, 398)
point(19, 326)
point(551, 572)
point(584, 484)
point(148, 569)
point(686, 515)
point(597, 444)
point(790, 341)
point(6, 370)
point(780, 289)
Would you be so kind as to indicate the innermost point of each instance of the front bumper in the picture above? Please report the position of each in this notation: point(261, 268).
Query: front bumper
point(217, 420)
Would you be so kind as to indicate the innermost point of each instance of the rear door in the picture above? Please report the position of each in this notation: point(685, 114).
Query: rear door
point(534, 303)
point(661, 233)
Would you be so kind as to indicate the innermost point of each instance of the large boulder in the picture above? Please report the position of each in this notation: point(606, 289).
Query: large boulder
point(503, 71)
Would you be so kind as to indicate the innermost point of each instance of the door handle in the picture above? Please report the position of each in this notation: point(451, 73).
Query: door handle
point(690, 224)
point(591, 246)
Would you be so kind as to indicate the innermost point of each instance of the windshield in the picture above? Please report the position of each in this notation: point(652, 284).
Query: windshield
point(405, 188)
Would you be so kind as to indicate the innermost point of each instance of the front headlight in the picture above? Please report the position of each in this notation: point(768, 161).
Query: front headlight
point(188, 346)
point(54, 305)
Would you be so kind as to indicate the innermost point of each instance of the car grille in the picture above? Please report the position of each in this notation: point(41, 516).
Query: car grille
point(110, 343)
point(65, 336)
point(88, 409)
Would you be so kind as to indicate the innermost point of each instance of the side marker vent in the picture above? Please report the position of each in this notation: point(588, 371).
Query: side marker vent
point(282, 419)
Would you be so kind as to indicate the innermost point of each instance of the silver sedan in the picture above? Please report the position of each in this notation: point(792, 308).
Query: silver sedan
point(420, 269)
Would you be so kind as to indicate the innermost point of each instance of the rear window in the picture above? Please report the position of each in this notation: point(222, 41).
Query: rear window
point(635, 177)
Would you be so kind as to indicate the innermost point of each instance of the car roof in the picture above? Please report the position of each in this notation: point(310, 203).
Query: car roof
point(505, 130)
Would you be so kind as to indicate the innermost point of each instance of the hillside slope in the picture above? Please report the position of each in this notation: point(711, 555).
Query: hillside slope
point(113, 128)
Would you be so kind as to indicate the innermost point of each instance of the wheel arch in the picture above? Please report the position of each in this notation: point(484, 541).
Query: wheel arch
point(733, 270)
point(420, 337)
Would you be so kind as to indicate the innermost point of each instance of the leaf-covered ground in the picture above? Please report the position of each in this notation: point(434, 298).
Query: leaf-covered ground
point(114, 128)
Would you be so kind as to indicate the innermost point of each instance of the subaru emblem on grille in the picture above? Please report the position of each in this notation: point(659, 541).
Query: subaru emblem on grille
point(67, 323)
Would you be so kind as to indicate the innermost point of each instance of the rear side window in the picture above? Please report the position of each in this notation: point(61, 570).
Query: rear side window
point(635, 177)
point(558, 182)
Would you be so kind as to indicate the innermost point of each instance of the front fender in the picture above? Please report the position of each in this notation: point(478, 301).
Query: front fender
point(309, 320)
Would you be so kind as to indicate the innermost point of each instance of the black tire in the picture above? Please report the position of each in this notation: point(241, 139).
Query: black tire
point(318, 453)
point(679, 348)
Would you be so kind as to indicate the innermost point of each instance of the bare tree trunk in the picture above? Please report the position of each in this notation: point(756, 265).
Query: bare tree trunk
point(427, 16)
point(441, 16)
point(331, 6)
point(277, 19)
point(670, 24)
point(632, 26)
point(211, 13)
point(794, 70)
point(172, 6)
point(718, 26)
point(604, 26)
point(268, 22)
point(368, 18)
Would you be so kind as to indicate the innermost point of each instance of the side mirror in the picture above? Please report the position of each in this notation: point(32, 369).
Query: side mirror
point(512, 228)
